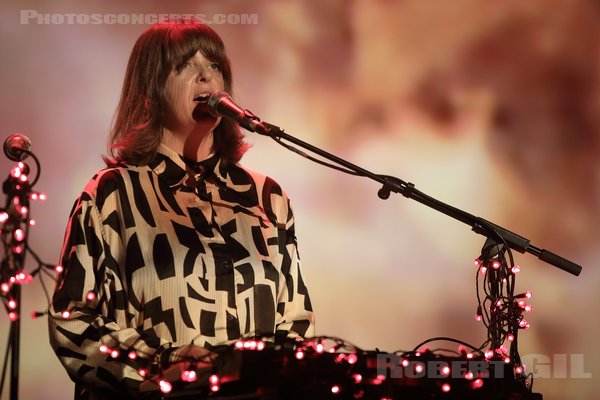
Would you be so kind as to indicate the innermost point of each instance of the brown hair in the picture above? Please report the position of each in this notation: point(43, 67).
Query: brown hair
point(137, 128)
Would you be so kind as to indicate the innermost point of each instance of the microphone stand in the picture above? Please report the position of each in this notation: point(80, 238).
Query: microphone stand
point(500, 310)
point(408, 190)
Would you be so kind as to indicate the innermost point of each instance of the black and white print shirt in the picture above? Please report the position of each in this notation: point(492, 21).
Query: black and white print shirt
point(167, 254)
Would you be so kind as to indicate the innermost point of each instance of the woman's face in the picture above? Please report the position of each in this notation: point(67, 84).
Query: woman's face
point(199, 76)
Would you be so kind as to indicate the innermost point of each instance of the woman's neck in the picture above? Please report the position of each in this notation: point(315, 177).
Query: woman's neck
point(197, 145)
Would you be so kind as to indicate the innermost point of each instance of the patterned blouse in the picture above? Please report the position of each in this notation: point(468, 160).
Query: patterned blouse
point(167, 254)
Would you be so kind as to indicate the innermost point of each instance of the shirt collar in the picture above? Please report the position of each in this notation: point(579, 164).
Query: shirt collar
point(174, 169)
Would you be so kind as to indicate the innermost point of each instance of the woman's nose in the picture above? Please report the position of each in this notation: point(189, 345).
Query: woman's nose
point(203, 74)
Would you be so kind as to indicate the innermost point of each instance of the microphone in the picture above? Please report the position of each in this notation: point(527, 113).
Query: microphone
point(220, 104)
point(17, 147)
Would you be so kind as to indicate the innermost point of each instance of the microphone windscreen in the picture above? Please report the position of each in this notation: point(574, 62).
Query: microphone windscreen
point(17, 146)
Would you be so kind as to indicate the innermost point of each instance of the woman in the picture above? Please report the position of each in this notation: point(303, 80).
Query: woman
point(174, 248)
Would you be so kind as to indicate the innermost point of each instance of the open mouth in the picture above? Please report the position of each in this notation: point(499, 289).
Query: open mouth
point(203, 98)
point(201, 111)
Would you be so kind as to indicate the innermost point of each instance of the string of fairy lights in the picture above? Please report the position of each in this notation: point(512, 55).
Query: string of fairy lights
point(15, 222)
point(501, 311)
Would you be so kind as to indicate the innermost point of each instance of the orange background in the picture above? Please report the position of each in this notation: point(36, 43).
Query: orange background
point(490, 106)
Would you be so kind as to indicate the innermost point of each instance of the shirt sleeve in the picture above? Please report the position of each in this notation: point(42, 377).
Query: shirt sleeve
point(90, 308)
point(293, 303)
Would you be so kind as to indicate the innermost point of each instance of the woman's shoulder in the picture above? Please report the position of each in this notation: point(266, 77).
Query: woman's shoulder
point(108, 180)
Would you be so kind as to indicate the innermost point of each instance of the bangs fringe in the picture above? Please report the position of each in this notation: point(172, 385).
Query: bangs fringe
point(187, 37)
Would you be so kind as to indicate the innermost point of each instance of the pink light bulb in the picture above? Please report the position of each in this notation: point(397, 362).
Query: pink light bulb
point(523, 323)
point(477, 383)
point(352, 358)
point(518, 369)
point(446, 387)
point(27, 279)
point(379, 379)
point(19, 235)
point(189, 376)
point(165, 386)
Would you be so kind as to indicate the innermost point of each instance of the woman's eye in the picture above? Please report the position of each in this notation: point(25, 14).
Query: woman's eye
point(182, 67)
point(214, 66)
